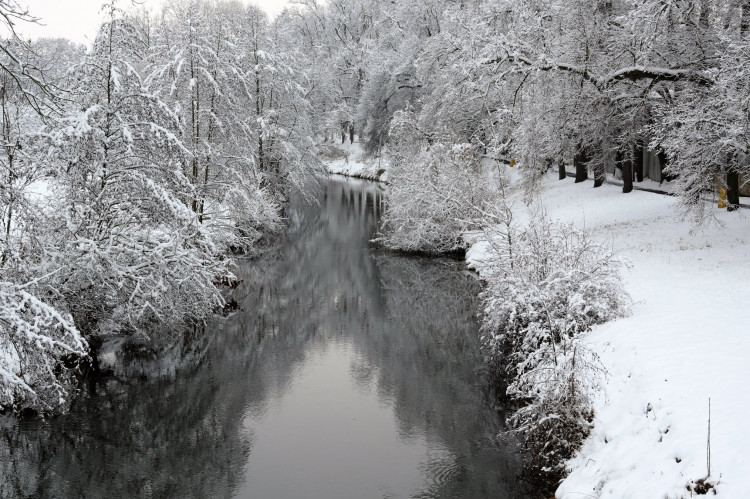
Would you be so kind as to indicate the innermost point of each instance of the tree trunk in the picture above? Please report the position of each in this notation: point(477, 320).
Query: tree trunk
point(581, 164)
point(733, 183)
point(639, 160)
point(600, 175)
point(562, 174)
point(626, 164)
point(733, 191)
point(351, 134)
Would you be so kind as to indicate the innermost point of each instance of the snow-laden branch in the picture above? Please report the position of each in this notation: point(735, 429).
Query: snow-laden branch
point(631, 73)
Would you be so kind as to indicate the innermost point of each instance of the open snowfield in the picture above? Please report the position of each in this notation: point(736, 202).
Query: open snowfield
point(687, 340)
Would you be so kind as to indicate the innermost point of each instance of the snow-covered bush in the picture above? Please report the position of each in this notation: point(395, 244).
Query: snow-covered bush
point(439, 190)
point(38, 345)
point(548, 283)
point(556, 389)
point(244, 215)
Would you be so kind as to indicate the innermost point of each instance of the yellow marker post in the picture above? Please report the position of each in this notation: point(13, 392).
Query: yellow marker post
point(723, 197)
point(512, 162)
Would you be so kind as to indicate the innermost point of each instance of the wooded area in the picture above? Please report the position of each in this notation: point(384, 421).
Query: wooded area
point(131, 168)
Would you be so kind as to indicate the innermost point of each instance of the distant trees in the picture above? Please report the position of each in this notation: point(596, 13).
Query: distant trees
point(548, 82)
point(325, 39)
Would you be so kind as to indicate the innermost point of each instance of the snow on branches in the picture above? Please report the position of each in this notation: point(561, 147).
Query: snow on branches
point(439, 191)
point(38, 343)
point(144, 183)
point(546, 285)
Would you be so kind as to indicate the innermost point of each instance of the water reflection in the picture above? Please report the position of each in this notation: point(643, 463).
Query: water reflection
point(345, 373)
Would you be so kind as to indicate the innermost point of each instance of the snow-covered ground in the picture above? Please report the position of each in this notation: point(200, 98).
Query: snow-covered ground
point(687, 340)
point(348, 159)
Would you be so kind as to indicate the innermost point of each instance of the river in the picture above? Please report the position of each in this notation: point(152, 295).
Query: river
point(343, 372)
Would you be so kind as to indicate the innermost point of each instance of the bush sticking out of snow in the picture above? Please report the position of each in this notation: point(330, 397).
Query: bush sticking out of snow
point(701, 487)
point(547, 284)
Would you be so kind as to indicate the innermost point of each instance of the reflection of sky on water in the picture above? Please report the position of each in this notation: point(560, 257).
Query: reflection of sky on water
point(333, 439)
point(345, 372)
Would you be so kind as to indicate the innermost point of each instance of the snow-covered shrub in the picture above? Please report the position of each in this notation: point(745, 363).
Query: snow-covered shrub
point(548, 284)
point(38, 345)
point(439, 190)
point(244, 215)
point(556, 387)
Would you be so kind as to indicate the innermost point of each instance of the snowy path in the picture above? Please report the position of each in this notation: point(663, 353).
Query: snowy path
point(686, 340)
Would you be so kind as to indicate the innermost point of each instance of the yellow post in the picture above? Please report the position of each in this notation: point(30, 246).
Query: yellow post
point(512, 162)
point(723, 197)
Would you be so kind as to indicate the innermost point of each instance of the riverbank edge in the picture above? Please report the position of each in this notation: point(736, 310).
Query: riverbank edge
point(348, 159)
point(665, 360)
point(669, 356)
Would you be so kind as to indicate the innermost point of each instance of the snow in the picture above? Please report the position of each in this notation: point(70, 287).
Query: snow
point(686, 341)
point(39, 191)
point(348, 159)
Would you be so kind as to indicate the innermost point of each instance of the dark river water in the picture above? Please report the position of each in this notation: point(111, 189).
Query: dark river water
point(344, 372)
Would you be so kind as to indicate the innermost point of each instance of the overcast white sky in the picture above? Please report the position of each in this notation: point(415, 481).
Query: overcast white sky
point(78, 20)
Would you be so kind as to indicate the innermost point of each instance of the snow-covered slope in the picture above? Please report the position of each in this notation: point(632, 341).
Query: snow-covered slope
point(348, 159)
point(687, 340)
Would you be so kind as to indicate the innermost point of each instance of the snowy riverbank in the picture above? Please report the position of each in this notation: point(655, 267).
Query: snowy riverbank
point(685, 341)
point(348, 159)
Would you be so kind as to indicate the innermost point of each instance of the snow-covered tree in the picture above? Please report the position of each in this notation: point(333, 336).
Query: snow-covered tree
point(242, 104)
point(439, 190)
point(133, 251)
point(283, 111)
point(704, 128)
point(39, 342)
point(198, 64)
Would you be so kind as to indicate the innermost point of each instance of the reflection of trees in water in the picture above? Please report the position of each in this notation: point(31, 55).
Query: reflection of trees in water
point(428, 363)
point(165, 438)
point(183, 434)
